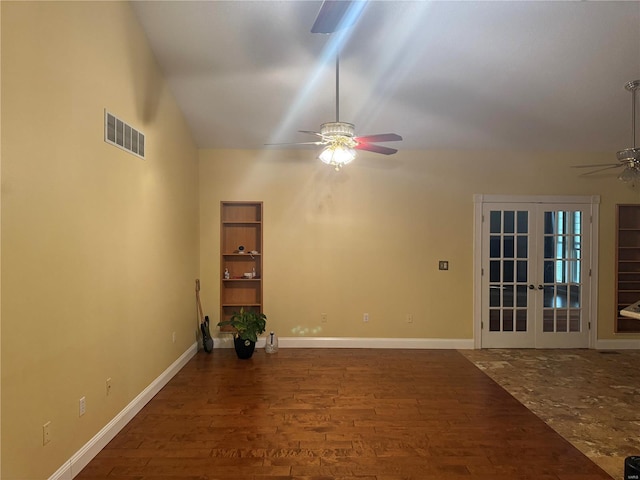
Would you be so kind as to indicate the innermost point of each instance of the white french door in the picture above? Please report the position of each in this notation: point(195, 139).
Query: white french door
point(535, 275)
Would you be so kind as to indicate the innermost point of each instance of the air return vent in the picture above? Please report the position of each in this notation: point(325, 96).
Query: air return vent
point(123, 135)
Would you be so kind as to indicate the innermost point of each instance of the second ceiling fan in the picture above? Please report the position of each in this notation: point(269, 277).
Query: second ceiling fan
point(338, 138)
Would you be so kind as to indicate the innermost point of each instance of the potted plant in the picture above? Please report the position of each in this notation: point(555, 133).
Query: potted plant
point(248, 324)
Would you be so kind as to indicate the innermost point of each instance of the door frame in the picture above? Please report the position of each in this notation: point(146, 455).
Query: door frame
point(479, 200)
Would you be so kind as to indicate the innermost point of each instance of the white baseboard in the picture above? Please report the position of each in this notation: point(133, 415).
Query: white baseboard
point(618, 344)
point(82, 457)
point(355, 342)
point(408, 343)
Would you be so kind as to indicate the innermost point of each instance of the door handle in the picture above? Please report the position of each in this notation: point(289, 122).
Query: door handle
point(531, 287)
point(540, 287)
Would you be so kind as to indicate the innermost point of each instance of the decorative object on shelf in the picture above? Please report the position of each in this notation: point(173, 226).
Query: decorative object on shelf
point(247, 325)
point(629, 158)
point(271, 346)
point(241, 249)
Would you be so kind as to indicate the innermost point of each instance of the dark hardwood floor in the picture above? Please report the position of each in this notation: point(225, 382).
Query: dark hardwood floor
point(337, 414)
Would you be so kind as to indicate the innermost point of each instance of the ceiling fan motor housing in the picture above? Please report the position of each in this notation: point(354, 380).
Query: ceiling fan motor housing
point(331, 129)
point(629, 155)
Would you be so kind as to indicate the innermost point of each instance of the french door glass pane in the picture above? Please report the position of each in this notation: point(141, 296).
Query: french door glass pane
point(547, 321)
point(494, 297)
point(508, 277)
point(523, 222)
point(574, 296)
point(507, 322)
point(494, 246)
point(521, 271)
point(508, 246)
point(494, 271)
point(509, 222)
point(561, 320)
point(495, 222)
point(574, 320)
point(562, 271)
point(507, 299)
point(549, 248)
point(523, 243)
point(494, 320)
point(508, 271)
point(521, 296)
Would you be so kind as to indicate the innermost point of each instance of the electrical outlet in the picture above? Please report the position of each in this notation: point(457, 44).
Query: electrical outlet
point(323, 317)
point(443, 265)
point(46, 433)
point(82, 406)
point(173, 337)
point(108, 384)
point(365, 317)
point(409, 318)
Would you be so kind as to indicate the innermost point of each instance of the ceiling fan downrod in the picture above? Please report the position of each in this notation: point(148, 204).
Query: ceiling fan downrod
point(338, 88)
point(339, 132)
point(632, 155)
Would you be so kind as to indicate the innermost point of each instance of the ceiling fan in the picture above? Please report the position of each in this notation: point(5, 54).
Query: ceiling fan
point(629, 158)
point(338, 138)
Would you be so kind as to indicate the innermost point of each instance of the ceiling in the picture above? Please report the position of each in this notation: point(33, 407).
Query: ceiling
point(502, 75)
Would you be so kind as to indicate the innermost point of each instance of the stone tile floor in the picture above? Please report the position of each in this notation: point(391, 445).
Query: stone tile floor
point(590, 397)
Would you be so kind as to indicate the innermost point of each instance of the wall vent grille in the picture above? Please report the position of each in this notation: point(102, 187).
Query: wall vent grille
point(123, 135)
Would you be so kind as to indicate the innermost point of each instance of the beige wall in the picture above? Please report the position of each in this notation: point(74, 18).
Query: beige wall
point(368, 239)
point(99, 248)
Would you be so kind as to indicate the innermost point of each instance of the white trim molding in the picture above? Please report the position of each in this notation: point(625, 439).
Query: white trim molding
point(479, 200)
point(578, 199)
point(357, 342)
point(618, 344)
point(82, 457)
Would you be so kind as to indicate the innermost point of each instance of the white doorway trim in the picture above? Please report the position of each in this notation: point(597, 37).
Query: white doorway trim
point(480, 199)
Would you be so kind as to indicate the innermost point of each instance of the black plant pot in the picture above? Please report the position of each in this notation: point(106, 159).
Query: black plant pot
point(244, 348)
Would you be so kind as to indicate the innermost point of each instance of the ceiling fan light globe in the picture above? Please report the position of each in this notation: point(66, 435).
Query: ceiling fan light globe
point(337, 155)
point(626, 175)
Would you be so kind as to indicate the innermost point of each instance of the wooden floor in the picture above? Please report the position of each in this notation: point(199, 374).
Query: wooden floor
point(337, 414)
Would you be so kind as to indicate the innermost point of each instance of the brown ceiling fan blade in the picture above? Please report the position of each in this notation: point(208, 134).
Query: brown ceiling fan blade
point(318, 134)
point(295, 143)
point(333, 16)
point(600, 170)
point(381, 137)
point(370, 147)
point(598, 165)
